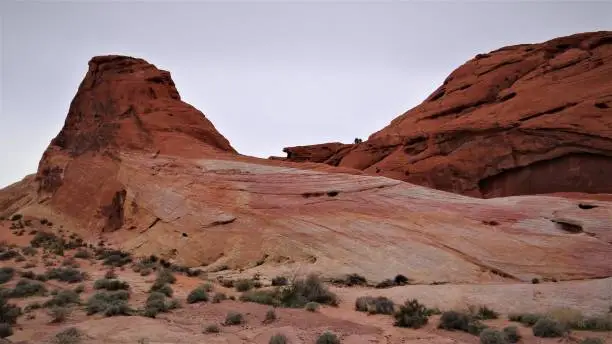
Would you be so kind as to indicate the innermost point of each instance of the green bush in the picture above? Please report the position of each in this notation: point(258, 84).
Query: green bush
point(212, 328)
point(264, 297)
point(485, 313)
point(6, 274)
point(115, 258)
point(548, 328)
point(328, 338)
point(165, 276)
point(8, 312)
point(161, 288)
point(32, 306)
point(66, 274)
point(63, 298)
point(234, 318)
point(59, 314)
point(279, 281)
point(311, 306)
point(302, 291)
point(219, 297)
point(592, 340)
point(29, 251)
point(83, 254)
point(278, 339)
point(109, 303)
point(490, 336)
point(512, 333)
point(6, 330)
point(70, 335)
point(110, 274)
point(374, 305)
point(26, 287)
point(199, 294)
point(111, 284)
point(412, 314)
point(79, 288)
point(528, 319)
point(243, 285)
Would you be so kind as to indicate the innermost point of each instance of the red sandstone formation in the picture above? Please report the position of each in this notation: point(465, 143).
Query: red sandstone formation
point(524, 119)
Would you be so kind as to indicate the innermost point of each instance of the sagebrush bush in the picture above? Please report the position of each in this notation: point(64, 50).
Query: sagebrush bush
point(278, 339)
point(459, 321)
point(163, 288)
point(234, 318)
point(63, 298)
point(66, 274)
point(485, 313)
point(111, 284)
point(528, 319)
point(411, 314)
point(6, 274)
point(243, 285)
point(6, 330)
point(302, 291)
point(165, 276)
point(219, 297)
point(59, 314)
point(83, 254)
point(109, 303)
point(79, 288)
point(115, 258)
point(26, 287)
point(8, 312)
point(279, 281)
point(199, 294)
point(512, 333)
point(548, 328)
point(270, 316)
point(158, 303)
point(264, 297)
point(110, 274)
point(374, 305)
point(212, 328)
point(328, 338)
point(71, 335)
point(312, 306)
point(491, 336)
point(592, 340)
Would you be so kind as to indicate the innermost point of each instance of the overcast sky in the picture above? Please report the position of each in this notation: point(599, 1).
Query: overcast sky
point(267, 74)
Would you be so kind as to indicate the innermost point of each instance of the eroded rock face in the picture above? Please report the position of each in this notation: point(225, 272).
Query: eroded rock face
point(524, 119)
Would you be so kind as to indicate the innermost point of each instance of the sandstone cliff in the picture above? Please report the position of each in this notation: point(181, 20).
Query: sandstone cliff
point(524, 119)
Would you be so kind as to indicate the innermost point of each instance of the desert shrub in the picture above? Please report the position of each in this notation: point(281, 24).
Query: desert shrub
point(161, 288)
point(595, 323)
point(312, 306)
point(528, 319)
point(270, 316)
point(388, 283)
point(512, 333)
point(27, 274)
point(491, 336)
point(592, 340)
point(145, 272)
point(328, 338)
point(111, 284)
point(411, 314)
point(227, 283)
point(115, 258)
point(8, 312)
point(535, 281)
point(32, 306)
point(26, 287)
point(207, 287)
point(279, 281)
point(165, 276)
point(243, 285)
point(70, 261)
point(264, 297)
point(485, 313)
point(63, 298)
point(83, 254)
point(6, 274)
point(110, 274)
point(548, 328)
point(59, 314)
point(29, 251)
point(219, 297)
point(67, 274)
point(9, 254)
point(199, 294)
point(302, 291)
point(234, 318)
point(6, 330)
point(278, 339)
point(572, 318)
point(401, 280)
point(355, 279)
point(374, 305)
point(16, 217)
point(453, 320)
point(79, 288)
point(109, 303)
point(212, 328)
point(70, 335)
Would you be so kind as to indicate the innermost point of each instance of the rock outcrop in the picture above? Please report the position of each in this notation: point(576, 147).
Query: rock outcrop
point(141, 170)
point(524, 119)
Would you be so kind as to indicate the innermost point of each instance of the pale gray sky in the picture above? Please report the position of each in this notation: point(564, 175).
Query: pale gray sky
point(267, 74)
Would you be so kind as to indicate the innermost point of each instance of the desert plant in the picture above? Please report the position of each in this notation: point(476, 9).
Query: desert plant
point(165, 276)
point(199, 294)
point(6, 274)
point(278, 339)
point(355, 279)
point(219, 297)
point(66, 274)
point(548, 328)
point(485, 313)
point(26, 287)
point(29, 251)
point(32, 306)
point(411, 314)
point(328, 338)
point(6, 330)
point(110, 274)
point(264, 297)
point(63, 298)
point(8, 312)
point(70, 335)
point(212, 328)
point(109, 303)
point(311, 306)
point(115, 258)
point(528, 319)
point(270, 316)
point(512, 333)
point(233, 318)
point(79, 288)
point(161, 288)
point(243, 285)
point(374, 305)
point(535, 281)
point(279, 281)
point(82, 254)
point(592, 340)
point(111, 284)
point(491, 336)
point(302, 291)
point(59, 314)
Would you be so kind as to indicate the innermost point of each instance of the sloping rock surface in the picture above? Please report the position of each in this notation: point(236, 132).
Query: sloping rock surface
point(524, 119)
